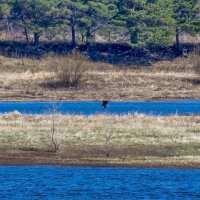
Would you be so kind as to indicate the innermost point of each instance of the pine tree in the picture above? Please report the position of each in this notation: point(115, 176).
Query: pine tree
point(72, 13)
point(4, 8)
point(187, 16)
point(34, 16)
point(4, 11)
point(149, 22)
point(158, 22)
point(98, 14)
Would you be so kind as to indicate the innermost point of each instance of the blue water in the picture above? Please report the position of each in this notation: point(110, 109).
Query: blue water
point(88, 108)
point(97, 183)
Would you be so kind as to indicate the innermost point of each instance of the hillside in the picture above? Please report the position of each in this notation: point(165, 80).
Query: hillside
point(28, 79)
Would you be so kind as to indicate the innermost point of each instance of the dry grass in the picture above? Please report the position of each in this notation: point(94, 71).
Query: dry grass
point(30, 131)
point(196, 59)
point(121, 138)
point(27, 79)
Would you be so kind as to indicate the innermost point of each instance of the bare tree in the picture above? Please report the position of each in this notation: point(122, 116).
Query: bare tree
point(55, 120)
point(108, 146)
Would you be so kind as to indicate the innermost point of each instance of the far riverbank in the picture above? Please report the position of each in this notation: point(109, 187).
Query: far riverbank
point(28, 79)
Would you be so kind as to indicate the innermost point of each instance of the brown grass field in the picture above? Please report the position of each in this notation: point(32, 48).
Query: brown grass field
point(101, 140)
point(32, 80)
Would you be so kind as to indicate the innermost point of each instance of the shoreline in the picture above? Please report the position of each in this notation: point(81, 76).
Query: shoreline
point(42, 100)
point(107, 164)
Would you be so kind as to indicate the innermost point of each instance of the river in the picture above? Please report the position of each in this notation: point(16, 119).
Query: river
point(89, 108)
point(54, 182)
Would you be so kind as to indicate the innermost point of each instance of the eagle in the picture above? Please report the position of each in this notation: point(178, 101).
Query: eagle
point(104, 104)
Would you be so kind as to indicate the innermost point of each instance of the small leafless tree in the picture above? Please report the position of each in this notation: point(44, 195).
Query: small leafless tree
point(55, 120)
point(108, 146)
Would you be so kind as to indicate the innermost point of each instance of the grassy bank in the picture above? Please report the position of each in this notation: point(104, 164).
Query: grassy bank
point(29, 79)
point(132, 140)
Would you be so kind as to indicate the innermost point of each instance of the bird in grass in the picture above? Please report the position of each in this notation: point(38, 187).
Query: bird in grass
point(104, 104)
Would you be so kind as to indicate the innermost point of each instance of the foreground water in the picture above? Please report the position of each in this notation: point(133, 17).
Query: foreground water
point(88, 108)
point(48, 182)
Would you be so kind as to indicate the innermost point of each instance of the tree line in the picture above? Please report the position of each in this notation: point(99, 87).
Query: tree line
point(143, 22)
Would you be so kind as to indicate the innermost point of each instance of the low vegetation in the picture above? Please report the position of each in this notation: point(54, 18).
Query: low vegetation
point(117, 139)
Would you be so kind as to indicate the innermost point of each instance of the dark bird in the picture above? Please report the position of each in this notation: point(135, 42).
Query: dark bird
point(104, 104)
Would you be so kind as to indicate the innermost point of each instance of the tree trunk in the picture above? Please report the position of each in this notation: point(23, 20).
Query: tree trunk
point(109, 36)
point(73, 36)
point(178, 39)
point(82, 37)
point(73, 32)
point(88, 40)
point(134, 37)
point(26, 35)
point(88, 37)
point(36, 38)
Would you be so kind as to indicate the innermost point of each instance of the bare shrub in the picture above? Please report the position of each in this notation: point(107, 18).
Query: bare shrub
point(71, 70)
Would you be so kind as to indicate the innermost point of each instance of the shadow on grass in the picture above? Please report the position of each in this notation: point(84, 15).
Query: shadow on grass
point(90, 151)
point(59, 85)
point(113, 53)
point(195, 82)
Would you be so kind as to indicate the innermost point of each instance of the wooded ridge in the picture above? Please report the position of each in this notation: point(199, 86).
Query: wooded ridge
point(140, 23)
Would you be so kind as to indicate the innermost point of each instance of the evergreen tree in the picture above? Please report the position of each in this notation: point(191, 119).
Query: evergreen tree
point(149, 22)
point(98, 14)
point(157, 20)
point(187, 16)
point(4, 11)
point(73, 12)
point(34, 16)
point(4, 8)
